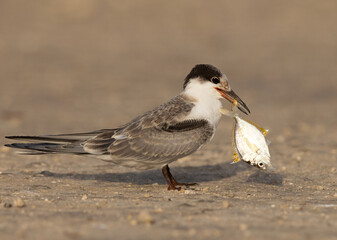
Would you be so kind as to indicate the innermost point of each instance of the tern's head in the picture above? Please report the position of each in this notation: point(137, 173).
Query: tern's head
point(208, 80)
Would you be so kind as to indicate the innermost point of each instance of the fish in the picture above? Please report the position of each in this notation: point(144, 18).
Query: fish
point(249, 142)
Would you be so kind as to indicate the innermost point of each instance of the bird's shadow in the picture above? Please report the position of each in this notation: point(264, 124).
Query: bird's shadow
point(205, 173)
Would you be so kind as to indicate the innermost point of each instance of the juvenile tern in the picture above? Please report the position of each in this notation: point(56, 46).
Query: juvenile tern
point(156, 138)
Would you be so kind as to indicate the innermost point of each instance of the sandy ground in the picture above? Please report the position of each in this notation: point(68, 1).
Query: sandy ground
point(72, 66)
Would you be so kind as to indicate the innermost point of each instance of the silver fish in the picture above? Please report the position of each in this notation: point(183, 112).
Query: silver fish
point(249, 143)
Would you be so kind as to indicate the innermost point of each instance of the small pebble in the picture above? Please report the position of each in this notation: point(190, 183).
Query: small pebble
point(84, 197)
point(144, 217)
point(319, 188)
point(298, 208)
point(230, 195)
point(243, 227)
point(187, 191)
point(297, 156)
point(158, 210)
point(18, 202)
point(131, 220)
point(146, 195)
point(225, 204)
point(197, 188)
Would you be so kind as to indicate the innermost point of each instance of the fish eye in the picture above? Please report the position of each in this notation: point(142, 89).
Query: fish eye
point(260, 164)
point(215, 80)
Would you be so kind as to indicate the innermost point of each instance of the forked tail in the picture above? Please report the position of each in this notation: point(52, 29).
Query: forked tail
point(62, 143)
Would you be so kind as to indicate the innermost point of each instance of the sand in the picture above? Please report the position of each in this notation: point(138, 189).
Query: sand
point(76, 66)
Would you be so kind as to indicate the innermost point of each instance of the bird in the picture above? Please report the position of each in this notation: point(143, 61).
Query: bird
point(156, 138)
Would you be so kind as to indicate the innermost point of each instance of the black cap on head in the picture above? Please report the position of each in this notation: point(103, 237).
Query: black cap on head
point(204, 71)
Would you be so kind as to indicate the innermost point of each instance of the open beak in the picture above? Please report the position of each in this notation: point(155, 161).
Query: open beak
point(234, 99)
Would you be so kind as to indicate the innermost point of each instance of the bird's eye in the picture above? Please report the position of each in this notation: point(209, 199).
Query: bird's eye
point(215, 80)
point(260, 164)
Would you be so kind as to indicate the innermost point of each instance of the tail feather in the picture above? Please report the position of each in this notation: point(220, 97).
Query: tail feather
point(61, 138)
point(47, 147)
point(61, 143)
point(48, 144)
point(47, 138)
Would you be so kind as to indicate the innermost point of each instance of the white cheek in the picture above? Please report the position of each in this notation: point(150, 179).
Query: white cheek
point(207, 102)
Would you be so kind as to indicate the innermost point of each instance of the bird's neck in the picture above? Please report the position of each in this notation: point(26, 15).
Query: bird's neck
point(206, 107)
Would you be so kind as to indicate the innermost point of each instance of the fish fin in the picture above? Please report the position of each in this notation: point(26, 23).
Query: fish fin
point(236, 157)
point(263, 130)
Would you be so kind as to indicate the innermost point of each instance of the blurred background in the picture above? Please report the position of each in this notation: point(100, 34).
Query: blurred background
point(78, 65)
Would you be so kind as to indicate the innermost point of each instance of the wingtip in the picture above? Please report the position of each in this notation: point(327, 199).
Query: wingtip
point(13, 137)
point(12, 145)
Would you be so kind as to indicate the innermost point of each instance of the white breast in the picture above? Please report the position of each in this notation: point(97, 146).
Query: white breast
point(206, 102)
point(207, 111)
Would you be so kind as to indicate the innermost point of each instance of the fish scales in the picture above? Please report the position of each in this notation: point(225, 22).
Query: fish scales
point(249, 143)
